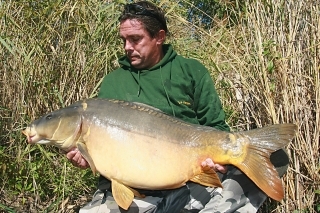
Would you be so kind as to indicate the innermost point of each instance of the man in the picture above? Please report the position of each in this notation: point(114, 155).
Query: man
point(152, 73)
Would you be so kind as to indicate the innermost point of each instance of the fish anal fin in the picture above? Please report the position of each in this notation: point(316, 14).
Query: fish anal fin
point(122, 194)
point(208, 177)
point(85, 154)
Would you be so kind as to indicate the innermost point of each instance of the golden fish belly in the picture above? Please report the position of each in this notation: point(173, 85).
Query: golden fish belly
point(140, 161)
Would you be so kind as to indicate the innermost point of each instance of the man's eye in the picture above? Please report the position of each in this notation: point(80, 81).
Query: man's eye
point(135, 39)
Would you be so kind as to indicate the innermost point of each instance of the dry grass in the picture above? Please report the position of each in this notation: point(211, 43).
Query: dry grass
point(266, 68)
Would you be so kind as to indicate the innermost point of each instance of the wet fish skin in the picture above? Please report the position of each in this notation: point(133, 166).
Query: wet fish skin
point(135, 145)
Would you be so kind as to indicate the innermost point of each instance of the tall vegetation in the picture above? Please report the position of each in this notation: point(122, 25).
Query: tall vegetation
point(263, 55)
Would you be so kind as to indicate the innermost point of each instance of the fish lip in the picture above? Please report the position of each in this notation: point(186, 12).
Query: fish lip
point(27, 132)
point(30, 139)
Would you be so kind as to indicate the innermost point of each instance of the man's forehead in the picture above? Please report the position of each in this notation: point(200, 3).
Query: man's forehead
point(132, 27)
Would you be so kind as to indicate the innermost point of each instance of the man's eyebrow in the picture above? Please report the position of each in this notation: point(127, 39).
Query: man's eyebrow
point(130, 36)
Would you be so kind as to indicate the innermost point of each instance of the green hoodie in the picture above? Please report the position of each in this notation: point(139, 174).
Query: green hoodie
point(176, 85)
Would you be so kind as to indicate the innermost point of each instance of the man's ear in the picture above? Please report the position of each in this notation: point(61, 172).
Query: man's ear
point(161, 37)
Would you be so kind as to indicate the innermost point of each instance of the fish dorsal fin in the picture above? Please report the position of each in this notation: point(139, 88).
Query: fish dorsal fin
point(147, 106)
point(135, 105)
point(122, 194)
point(208, 177)
point(85, 154)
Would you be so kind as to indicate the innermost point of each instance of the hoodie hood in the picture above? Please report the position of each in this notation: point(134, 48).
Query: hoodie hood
point(169, 54)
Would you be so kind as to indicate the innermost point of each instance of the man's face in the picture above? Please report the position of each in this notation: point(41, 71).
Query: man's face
point(142, 51)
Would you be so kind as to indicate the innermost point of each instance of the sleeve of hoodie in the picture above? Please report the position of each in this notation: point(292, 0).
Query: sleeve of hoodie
point(207, 103)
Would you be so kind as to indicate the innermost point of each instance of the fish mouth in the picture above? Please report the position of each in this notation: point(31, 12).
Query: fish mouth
point(28, 133)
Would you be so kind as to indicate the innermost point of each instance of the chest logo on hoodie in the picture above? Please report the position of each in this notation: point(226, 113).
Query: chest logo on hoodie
point(184, 103)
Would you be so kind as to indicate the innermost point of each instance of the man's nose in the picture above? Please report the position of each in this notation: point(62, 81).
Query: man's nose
point(128, 45)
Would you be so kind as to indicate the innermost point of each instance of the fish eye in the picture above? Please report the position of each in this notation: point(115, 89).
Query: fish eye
point(48, 117)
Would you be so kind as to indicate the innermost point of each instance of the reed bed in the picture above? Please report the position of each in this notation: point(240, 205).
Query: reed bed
point(263, 55)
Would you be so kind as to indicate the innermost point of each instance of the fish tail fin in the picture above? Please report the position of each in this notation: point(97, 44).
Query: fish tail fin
point(257, 165)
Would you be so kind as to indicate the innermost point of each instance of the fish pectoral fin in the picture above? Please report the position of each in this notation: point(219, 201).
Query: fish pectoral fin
point(208, 177)
point(122, 194)
point(84, 152)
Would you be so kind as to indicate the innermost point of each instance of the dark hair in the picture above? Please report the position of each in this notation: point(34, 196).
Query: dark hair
point(151, 16)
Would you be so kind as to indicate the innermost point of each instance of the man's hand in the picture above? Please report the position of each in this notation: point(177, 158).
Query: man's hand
point(214, 166)
point(76, 159)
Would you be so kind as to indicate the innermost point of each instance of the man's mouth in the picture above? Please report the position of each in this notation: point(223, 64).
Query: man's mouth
point(133, 56)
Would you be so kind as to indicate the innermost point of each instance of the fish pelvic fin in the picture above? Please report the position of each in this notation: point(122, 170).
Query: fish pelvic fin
point(123, 195)
point(85, 154)
point(208, 177)
point(137, 194)
point(257, 165)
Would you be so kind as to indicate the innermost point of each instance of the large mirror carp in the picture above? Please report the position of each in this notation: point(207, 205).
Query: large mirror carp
point(138, 146)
